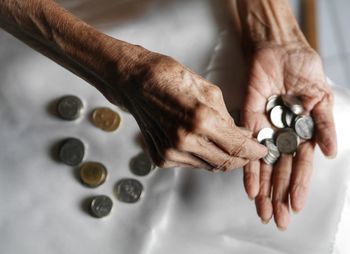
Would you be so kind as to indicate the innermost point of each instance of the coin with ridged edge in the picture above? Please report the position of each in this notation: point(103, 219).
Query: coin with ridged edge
point(69, 107)
point(106, 119)
point(71, 151)
point(273, 152)
point(141, 164)
point(288, 117)
point(287, 141)
point(304, 126)
point(128, 190)
point(276, 115)
point(101, 206)
point(92, 174)
point(272, 102)
point(265, 133)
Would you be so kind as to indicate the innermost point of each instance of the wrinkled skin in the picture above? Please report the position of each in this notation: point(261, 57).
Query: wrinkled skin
point(289, 69)
point(184, 120)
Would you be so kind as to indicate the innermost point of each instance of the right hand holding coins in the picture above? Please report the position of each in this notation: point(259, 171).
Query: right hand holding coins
point(285, 113)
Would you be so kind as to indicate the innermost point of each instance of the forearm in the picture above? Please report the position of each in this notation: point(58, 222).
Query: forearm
point(53, 31)
point(267, 21)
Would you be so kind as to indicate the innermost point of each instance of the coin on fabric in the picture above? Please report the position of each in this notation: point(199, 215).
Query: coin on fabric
point(128, 190)
point(101, 206)
point(287, 141)
point(106, 119)
point(92, 174)
point(71, 151)
point(304, 126)
point(141, 164)
point(69, 107)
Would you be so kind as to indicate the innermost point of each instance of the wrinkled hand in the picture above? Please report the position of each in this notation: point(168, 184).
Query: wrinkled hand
point(183, 118)
point(292, 69)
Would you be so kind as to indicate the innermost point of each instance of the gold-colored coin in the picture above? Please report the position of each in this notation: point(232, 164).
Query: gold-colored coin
point(106, 119)
point(92, 174)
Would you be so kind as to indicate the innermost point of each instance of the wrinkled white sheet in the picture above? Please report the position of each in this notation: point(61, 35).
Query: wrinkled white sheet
point(182, 211)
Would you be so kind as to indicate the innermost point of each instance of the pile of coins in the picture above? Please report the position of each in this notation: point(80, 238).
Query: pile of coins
point(286, 114)
point(93, 174)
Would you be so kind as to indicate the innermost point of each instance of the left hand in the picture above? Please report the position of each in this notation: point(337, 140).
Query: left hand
point(281, 69)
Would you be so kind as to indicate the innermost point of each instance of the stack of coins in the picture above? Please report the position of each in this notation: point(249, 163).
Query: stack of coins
point(286, 114)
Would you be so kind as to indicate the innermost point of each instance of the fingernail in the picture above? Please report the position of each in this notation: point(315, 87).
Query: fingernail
point(281, 229)
point(294, 211)
point(250, 198)
point(265, 221)
point(332, 156)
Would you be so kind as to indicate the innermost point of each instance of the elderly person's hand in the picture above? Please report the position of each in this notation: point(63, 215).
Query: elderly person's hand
point(282, 62)
point(182, 116)
point(293, 69)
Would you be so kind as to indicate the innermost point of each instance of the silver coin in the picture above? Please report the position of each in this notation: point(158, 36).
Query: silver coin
point(288, 117)
point(141, 164)
point(71, 151)
point(287, 141)
point(273, 152)
point(265, 133)
point(272, 102)
point(276, 115)
point(304, 127)
point(101, 206)
point(69, 107)
point(293, 103)
point(128, 190)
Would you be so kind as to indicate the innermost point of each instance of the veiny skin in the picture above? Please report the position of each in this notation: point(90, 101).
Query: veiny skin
point(182, 116)
point(282, 62)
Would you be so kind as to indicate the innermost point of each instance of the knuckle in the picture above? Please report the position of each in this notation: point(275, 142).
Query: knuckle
point(201, 116)
point(214, 92)
point(167, 154)
point(241, 148)
point(181, 138)
point(163, 163)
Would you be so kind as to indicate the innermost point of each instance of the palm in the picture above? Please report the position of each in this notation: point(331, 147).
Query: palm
point(280, 71)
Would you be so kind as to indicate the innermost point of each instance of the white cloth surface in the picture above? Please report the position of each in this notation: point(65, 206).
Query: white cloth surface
point(182, 210)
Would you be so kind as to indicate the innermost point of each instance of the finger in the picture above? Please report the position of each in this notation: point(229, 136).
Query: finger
point(301, 175)
point(246, 132)
point(184, 158)
point(251, 178)
point(236, 143)
point(263, 200)
point(226, 135)
point(325, 128)
point(210, 153)
point(280, 200)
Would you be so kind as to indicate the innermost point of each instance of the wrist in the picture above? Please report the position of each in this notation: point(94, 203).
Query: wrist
point(268, 22)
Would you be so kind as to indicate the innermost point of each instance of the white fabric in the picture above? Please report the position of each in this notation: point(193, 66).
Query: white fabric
point(182, 211)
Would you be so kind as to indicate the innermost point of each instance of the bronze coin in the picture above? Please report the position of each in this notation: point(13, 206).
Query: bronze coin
point(106, 119)
point(92, 174)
